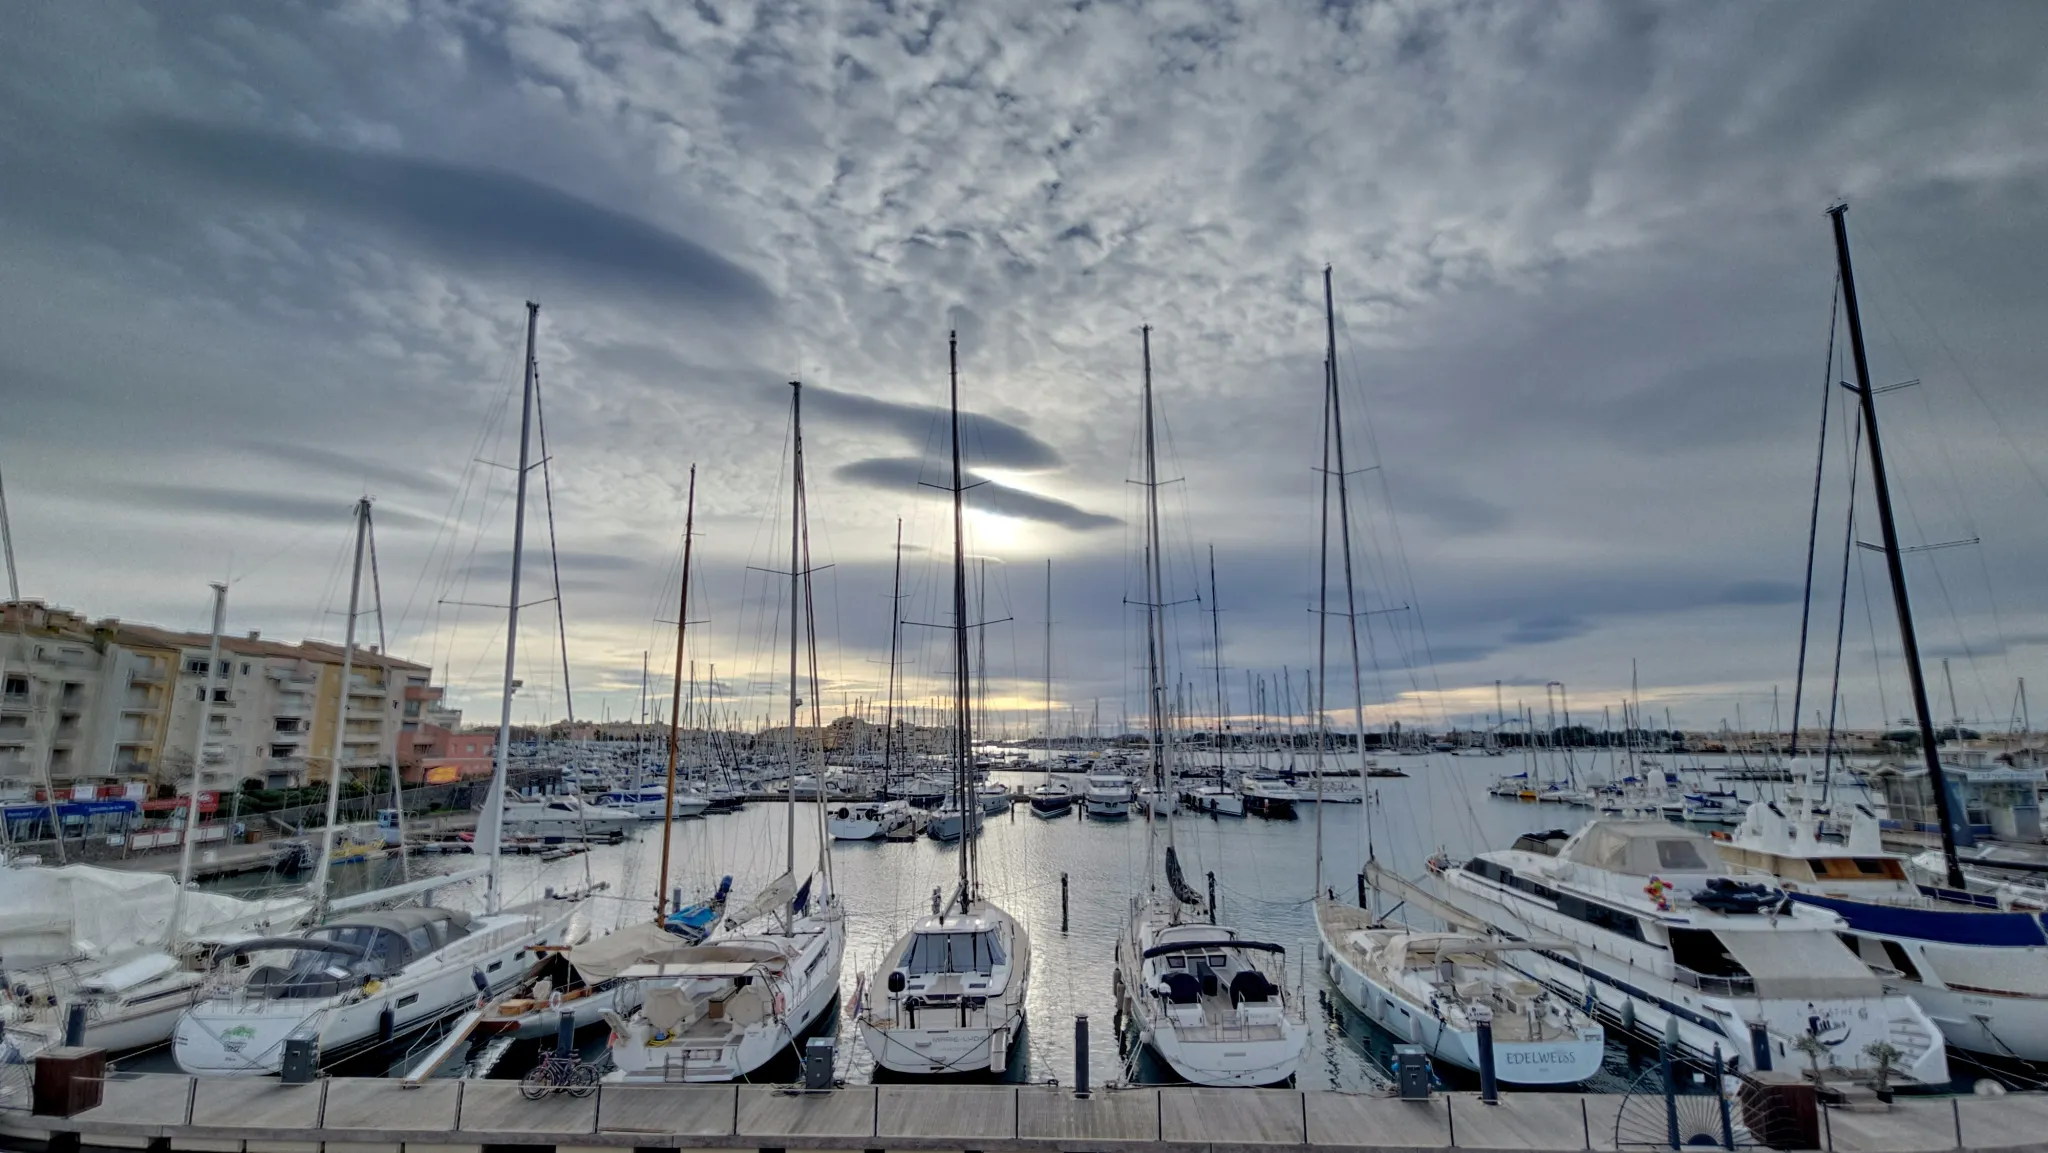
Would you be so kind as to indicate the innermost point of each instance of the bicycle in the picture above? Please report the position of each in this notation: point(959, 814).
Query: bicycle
point(559, 1074)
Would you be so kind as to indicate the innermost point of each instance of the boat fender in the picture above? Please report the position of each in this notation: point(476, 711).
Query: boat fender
point(1628, 1014)
point(387, 1023)
point(477, 978)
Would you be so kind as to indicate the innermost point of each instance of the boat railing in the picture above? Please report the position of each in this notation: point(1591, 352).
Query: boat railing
point(1743, 986)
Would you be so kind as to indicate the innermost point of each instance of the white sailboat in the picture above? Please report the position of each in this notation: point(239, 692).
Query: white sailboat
point(1432, 989)
point(1201, 996)
point(949, 996)
point(101, 937)
point(369, 978)
point(770, 974)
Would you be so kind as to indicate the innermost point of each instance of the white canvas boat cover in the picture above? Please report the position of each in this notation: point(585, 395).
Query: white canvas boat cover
point(637, 944)
point(55, 913)
point(1800, 964)
point(1644, 849)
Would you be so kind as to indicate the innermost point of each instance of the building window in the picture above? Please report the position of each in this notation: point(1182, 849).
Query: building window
point(220, 696)
point(245, 668)
point(196, 666)
point(17, 686)
point(282, 751)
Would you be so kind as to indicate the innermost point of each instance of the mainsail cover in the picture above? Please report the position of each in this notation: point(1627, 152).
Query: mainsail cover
point(1182, 891)
point(772, 897)
point(58, 913)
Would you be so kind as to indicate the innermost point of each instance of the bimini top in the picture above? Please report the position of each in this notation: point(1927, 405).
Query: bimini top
point(1644, 849)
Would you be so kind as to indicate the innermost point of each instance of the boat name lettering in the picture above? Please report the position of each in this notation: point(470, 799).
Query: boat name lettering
point(1537, 1057)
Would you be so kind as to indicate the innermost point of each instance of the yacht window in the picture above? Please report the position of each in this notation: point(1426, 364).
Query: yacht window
point(1176, 961)
point(953, 953)
point(1682, 856)
point(1219, 960)
point(421, 939)
point(1702, 952)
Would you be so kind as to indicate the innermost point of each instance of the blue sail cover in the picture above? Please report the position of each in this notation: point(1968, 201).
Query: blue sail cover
point(1959, 925)
point(694, 922)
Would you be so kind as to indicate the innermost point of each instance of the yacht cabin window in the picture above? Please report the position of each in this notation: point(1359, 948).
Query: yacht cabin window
point(934, 953)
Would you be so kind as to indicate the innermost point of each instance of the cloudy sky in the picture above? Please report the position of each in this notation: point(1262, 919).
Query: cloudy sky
point(262, 259)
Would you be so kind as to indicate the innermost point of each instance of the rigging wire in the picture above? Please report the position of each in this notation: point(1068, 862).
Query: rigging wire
point(1827, 393)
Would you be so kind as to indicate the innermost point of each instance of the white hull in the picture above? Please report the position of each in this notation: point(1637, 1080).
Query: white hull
point(1210, 1042)
point(945, 1038)
point(1214, 802)
point(706, 1050)
point(234, 1034)
point(1107, 810)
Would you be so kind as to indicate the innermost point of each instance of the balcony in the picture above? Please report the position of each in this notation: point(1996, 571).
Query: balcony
point(424, 693)
point(290, 675)
point(146, 675)
point(131, 768)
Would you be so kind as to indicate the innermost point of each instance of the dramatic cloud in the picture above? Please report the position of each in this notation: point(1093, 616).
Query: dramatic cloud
point(262, 258)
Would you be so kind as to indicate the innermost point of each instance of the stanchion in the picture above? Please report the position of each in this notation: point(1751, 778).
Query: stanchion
point(1212, 897)
point(1081, 1055)
point(1670, 1093)
point(1721, 1095)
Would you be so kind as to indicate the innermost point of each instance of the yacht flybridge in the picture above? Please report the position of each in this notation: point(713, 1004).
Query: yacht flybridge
point(1670, 943)
point(1211, 1003)
point(949, 997)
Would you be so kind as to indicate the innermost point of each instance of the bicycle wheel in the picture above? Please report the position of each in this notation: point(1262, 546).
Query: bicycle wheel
point(537, 1083)
point(583, 1081)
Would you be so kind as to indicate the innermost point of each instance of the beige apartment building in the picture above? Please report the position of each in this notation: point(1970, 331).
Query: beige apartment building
point(106, 703)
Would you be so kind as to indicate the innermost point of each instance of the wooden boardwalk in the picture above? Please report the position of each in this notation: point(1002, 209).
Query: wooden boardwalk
point(175, 1114)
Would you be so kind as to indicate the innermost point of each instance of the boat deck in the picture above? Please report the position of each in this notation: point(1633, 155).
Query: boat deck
point(1504, 991)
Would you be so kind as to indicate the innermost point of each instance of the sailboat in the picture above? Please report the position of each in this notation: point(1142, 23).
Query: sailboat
point(367, 978)
point(1200, 995)
point(1977, 966)
point(885, 817)
point(125, 945)
point(769, 975)
point(1432, 989)
point(949, 995)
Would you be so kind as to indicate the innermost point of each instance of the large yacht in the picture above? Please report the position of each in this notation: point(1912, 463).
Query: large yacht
point(1980, 970)
point(1668, 943)
point(1108, 795)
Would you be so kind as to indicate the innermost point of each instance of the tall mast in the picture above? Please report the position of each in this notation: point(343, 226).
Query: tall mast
point(1155, 627)
point(963, 712)
point(7, 550)
point(1048, 670)
point(220, 615)
point(895, 636)
point(494, 805)
point(1909, 641)
point(348, 653)
point(1344, 521)
point(796, 515)
point(1216, 647)
point(675, 706)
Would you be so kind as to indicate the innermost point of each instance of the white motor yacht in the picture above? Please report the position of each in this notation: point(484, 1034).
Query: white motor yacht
point(563, 816)
point(1214, 800)
point(1108, 796)
point(866, 820)
point(1671, 945)
point(652, 803)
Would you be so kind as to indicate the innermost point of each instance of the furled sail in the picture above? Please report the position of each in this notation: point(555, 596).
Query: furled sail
point(1179, 883)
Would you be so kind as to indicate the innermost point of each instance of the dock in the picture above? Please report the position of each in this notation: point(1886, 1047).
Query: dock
point(169, 1113)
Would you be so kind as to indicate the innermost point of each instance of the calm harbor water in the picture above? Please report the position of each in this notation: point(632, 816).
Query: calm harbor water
point(1265, 873)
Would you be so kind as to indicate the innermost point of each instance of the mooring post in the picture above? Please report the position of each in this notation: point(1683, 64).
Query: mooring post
point(1489, 1087)
point(1212, 896)
point(565, 1034)
point(1063, 902)
point(1721, 1095)
point(74, 1024)
point(1670, 1093)
point(1081, 1055)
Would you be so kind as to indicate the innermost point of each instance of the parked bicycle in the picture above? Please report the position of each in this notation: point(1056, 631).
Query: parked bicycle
point(559, 1074)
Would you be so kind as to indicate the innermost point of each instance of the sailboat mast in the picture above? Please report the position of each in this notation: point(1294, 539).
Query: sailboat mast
point(494, 805)
point(1894, 564)
point(962, 699)
point(348, 653)
point(1216, 648)
point(220, 615)
point(7, 550)
point(1344, 522)
point(895, 638)
point(675, 707)
point(796, 516)
point(1048, 670)
point(1155, 628)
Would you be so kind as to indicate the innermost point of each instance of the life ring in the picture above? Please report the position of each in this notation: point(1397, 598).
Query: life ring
point(555, 999)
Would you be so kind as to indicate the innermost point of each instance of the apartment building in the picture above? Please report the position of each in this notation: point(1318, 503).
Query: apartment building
point(104, 702)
